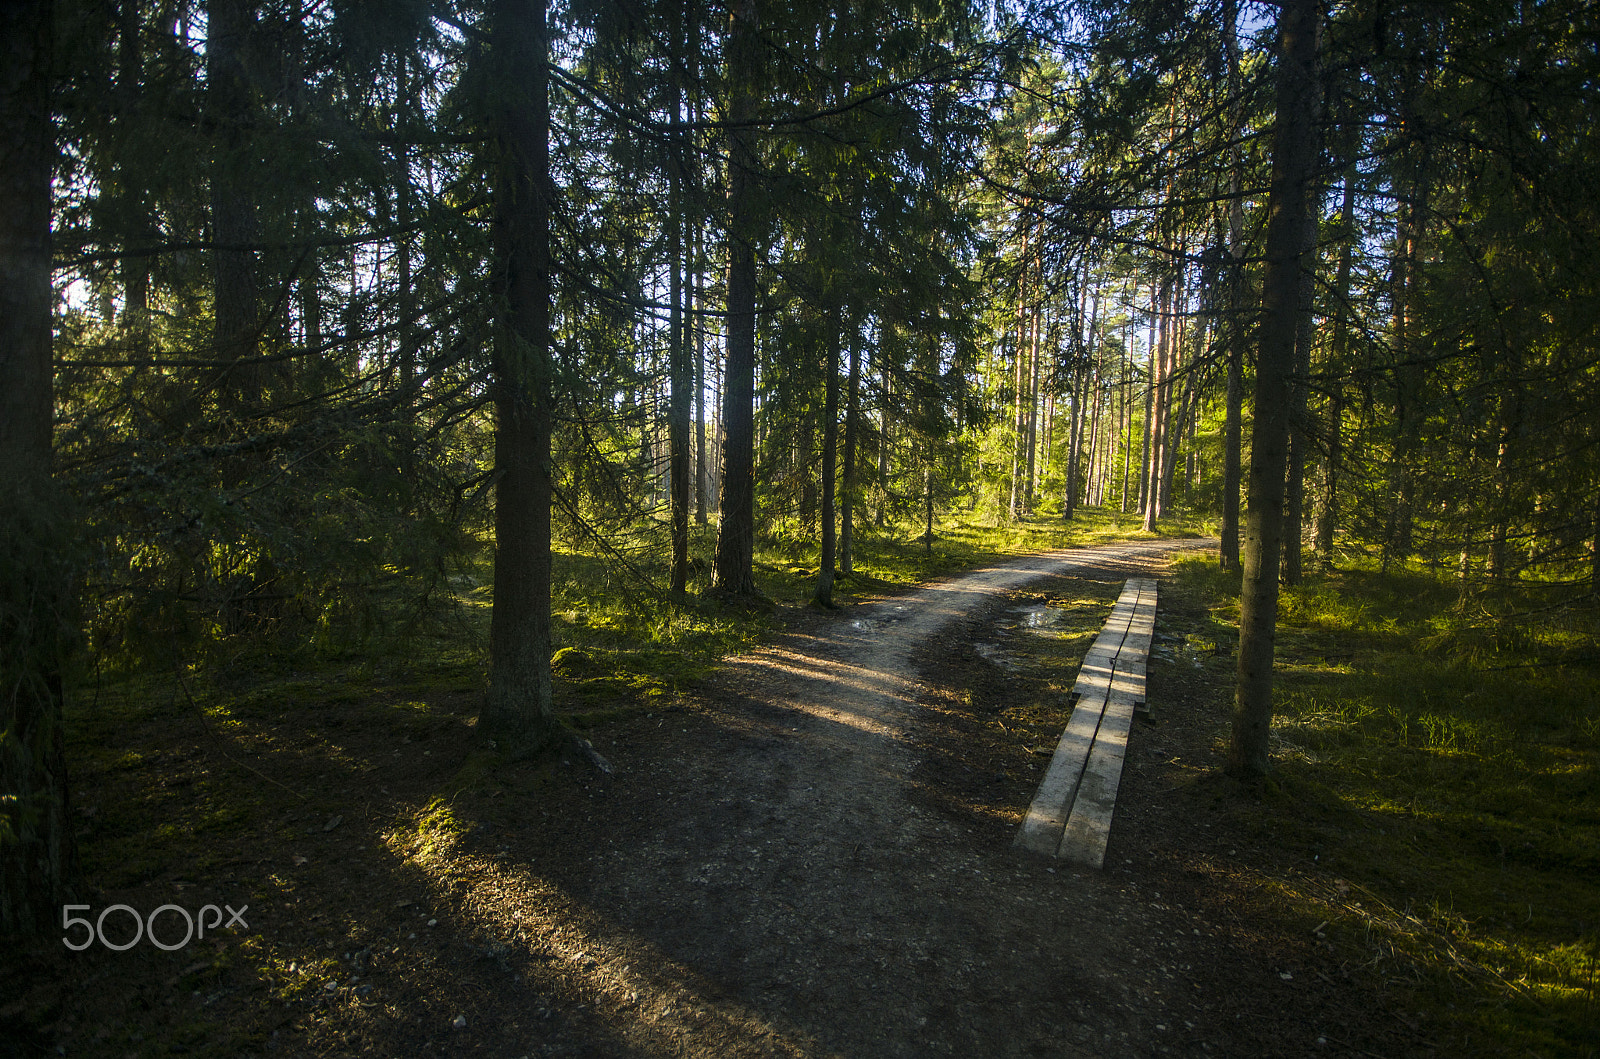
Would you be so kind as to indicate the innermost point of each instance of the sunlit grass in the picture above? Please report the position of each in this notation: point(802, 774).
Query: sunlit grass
point(1440, 755)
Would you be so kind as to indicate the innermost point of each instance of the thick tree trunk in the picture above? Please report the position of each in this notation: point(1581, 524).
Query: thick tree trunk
point(1294, 161)
point(36, 619)
point(823, 595)
point(517, 709)
point(229, 99)
point(732, 572)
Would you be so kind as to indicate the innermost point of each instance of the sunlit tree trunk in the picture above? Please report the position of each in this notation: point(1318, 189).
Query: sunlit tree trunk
point(1294, 161)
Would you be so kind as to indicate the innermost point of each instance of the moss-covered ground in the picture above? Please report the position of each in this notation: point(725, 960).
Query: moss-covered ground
point(1437, 792)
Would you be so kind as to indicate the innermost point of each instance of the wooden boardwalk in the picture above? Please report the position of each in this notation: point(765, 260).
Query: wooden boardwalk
point(1070, 818)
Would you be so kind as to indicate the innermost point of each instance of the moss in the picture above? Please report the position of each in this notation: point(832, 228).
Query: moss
point(1445, 772)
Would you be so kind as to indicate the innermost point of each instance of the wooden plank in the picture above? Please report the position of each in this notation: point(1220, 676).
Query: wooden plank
point(1071, 815)
point(1088, 827)
point(1095, 672)
point(1136, 646)
point(1047, 816)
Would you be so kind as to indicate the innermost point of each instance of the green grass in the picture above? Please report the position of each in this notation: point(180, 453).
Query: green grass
point(1441, 754)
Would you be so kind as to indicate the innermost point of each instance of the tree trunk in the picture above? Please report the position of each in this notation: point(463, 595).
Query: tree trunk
point(1152, 413)
point(136, 220)
point(1092, 464)
point(702, 490)
point(1069, 493)
point(1017, 419)
point(823, 596)
point(36, 619)
point(732, 572)
point(883, 434)
point(1126, 426)
point(1174, 424)
point(1328, 510)
point(517, 709)
point(852, 431)
point(1233, 312)
point(679, 365)
point(1299, 399)
point(230, 27)
point(1409, 378)
point(1033, 413)
point(1294, 161)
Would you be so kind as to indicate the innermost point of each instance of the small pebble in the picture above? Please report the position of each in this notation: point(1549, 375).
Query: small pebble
point(460, 1023)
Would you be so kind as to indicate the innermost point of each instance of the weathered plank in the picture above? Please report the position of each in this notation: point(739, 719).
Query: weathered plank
point(1136, 645)
point(1070, 817)
point(1047, 816)
point(1088, 827)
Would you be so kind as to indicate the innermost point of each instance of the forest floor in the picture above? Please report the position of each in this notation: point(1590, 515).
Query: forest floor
point(808, 853)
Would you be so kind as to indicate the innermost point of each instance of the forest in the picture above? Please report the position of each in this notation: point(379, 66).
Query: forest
point(551, 353)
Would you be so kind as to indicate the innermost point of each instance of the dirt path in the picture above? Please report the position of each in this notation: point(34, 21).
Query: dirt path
point(780, 877)
point(810, 855)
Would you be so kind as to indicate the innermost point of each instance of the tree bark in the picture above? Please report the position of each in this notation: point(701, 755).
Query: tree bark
point(852, 431)
point(135, 221)
point(1328, 509)
point(1233, 311)
point(36, 619)
point(229, 99)
point(1299, 398)
point(732, 571)
point(823, 595)
point(1294, 161)
point(1033, 413)
point(517, 709)
point(679, 365)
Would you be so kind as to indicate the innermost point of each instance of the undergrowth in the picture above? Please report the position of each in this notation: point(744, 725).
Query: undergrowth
point(1437, 761)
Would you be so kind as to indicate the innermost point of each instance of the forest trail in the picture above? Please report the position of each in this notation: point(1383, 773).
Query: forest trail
point(809, 854)
point(778, 879)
